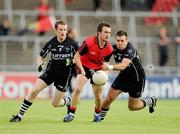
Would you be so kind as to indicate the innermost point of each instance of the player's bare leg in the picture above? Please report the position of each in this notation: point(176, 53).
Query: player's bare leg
point(80, 82)
point(135, 104)
point(60, 100)
point(98, 101)
point(38, 87)
point(111, 96)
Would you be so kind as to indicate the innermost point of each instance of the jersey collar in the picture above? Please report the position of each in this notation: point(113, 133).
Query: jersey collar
point(97, 42)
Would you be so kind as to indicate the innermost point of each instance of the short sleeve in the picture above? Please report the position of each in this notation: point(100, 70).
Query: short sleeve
point(45, 50)
point(83, 48)
point(130, 53)
point(75, 47)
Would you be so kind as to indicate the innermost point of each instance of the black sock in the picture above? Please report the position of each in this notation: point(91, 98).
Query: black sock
point(103, 113)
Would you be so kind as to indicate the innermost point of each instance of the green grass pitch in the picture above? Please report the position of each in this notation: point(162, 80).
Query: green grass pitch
point(42, 118)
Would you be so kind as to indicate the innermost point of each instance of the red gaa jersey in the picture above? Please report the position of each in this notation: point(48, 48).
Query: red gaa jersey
point(92, 56)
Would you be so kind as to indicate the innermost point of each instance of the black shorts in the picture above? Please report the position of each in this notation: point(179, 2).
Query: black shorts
point(89, 73)
point(132, 87)
point(59, 78)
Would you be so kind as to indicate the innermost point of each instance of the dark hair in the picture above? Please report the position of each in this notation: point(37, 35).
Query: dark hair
point(121, 33)
point(59, 22)
point(101, 25)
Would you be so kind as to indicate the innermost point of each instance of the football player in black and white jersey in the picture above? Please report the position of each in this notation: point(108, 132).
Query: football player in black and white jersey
point(62, 49)
point(131, 78)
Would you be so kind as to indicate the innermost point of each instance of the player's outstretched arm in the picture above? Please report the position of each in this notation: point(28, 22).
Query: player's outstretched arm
point(121, 66)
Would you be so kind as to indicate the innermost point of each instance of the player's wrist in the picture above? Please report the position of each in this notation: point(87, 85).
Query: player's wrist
point(110, 67)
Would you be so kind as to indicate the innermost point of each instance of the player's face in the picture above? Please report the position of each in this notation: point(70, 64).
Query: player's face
point(121, 42)
point(61, 32)
point(105, 34)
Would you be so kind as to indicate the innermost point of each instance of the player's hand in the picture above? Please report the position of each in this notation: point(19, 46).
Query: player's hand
point(40, 68)
point(105, 67)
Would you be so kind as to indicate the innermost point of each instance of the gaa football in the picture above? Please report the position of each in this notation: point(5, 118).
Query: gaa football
point(100, 78)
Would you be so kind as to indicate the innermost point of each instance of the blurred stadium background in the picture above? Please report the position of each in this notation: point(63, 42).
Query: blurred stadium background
point(18, 52)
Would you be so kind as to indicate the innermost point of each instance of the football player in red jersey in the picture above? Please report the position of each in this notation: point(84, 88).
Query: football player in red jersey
point(94, 51)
